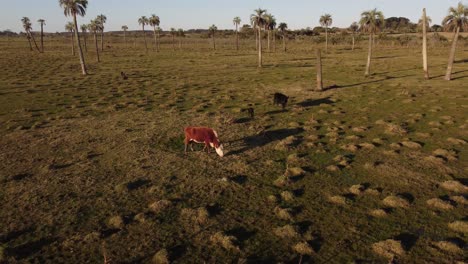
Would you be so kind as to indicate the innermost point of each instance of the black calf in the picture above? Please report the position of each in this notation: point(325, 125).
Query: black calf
point(280, 99)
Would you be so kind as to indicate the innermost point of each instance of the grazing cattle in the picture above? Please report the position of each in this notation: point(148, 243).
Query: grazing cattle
point(250, 110)
point(203, 135)
point(124, 76)
point(281, 99)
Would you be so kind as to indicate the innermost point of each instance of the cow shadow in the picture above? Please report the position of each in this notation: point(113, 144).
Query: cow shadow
point(316, 102)
point(262, 139)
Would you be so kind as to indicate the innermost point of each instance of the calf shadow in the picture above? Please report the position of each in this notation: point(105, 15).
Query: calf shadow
point(264, 138)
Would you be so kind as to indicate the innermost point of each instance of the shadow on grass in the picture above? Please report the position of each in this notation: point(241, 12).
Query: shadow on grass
point(30, 248)
point(367, 82)
point(311, 102)
point(263, 139)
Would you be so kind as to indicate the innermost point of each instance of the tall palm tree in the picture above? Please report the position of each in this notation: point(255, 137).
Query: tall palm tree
point(125, 28)
point(270, 23)
point(143, 21)
point(353, 28)
point(70, 28)
point(28, 27)
point(237, 22)
point(258, 20)
point(181, 34)
point(326, 21)
point(95, 27)
point(424, 22)
point(455, 20)
point(283, 27)
point(102, 19)
point(213, 29)
point(84, 29)
point(371, 21)
point(154, 22)
point(173, 33)
point(73, 8)
point(42, 23)
point(158, 31)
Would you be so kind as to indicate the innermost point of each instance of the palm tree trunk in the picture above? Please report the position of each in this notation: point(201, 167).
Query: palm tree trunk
point(448, 75)
point(274, 41)
point(284, 42)
point(214, 42)
point(259, 47)
point(102, 39)
point(155, 38)
point(353, 42)
point(256, 39)
point(73, 43)
point(269, 31)
point(42, 38)
point(424, 51)
point(96, 45)
point(80, 51)
point(144, 36)
point(319, 71)
point(125, 38)
point(29, 41)
point(84, 41)
point(237, 38)
point(159, 42)
point(369, 55)
point(326, 39)
point(34, 40)
point(173, 42)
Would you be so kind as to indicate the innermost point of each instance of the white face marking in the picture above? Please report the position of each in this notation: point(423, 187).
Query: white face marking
point(220, 151)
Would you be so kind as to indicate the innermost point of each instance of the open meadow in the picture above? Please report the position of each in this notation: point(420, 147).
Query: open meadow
point(368, 171)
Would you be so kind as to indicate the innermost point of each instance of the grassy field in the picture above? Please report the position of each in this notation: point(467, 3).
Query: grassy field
point(370, 170)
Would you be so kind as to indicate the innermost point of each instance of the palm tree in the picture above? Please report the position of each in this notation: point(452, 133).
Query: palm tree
point(424, 22)
point(213, 29)
point(42, 23)
point(158, 31)
point(143, 21)
point(354, 28)
point(455, 20)
point(237, 22)
point(95, 27)
point(73, 8)
point(181, 34)
point(371, 22)
point(84, 29)
point(283, 27)
point(70, 28)
point(258, 20)
point(173, 33)
point(102, 20)
point(270, 23)
point(326, 21)
point(125, 28)
point(154, 22)
point(28, 27)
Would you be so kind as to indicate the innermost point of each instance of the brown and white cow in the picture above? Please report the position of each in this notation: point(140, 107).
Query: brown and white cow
point(204, 135)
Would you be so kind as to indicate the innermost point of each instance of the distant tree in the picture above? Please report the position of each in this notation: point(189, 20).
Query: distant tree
point(283, 27)
point(353, 28)
point(436, 28)
point(258, 21)
point(95, 27)
point(237, 22)
point(270, 24)
point(102, 19)
point(28, 27)
point(125, 28)
point(326, 21)
point(143, 21)
point(70, 27)
point(84, 29)
point(154, 22)
point(73, 8)
point(371, 22)
point(173, 33)
point(213, 29)
point(42, 23)
point(456, 20)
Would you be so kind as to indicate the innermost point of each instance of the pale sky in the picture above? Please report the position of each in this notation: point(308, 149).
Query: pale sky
point(191, 14)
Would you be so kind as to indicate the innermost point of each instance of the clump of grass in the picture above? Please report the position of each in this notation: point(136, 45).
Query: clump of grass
point(161, 257)
point(411, 144)
point(447, 154)
point(199, 215)
point(459, 199)
point(303, 248)
point(448, 246)
point(439, 204)
point(337, 199)
point(378, 213)
point(227, 242)
point(357, 189)
point(456, 141)
point(283, 213)
point(394, 129)
point(455, 186)
point(388, 248)
point(459, 226)
point(396, 202)
point(141, 217)
point(287, 231)
point(159, 206)
point(282, 181)
point(272, 199)
point(116, 222)
point(287, 196)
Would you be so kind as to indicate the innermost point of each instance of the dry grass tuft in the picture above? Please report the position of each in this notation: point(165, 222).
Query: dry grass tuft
point(281, 181)
point(394, 129)
point(411, 144)
point(337, 199)
point(396, 202)
point(388, 248)
point(199, 215)
point(116, 222)
point(439, 204)
point(159, 206)
point(287, 196)
point(272, 199)
point(459, 226)
point(294, 172)
point(456, 141)
point(283, 213)
point(357, 189)
point(161, 257)
point(227, 242)
point(447, 154)
point(287, 231)
point(378, 213)
point(448, 246)
point(455, 186)
point(459, 199)
point(303, 248)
